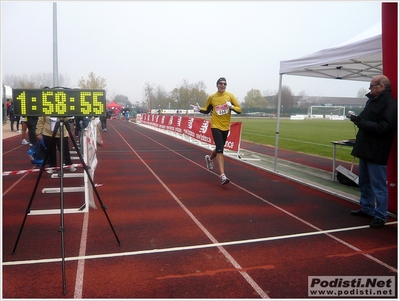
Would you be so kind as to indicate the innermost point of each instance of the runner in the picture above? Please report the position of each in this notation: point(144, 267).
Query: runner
point(221, 104)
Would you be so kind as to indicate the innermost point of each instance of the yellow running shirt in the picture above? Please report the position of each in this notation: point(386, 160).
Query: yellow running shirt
point(221, 114)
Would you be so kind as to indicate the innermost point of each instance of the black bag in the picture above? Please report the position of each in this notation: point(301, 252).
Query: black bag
point(345, 180)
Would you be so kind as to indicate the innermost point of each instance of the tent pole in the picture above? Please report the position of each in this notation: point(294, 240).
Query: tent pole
point(278, 115)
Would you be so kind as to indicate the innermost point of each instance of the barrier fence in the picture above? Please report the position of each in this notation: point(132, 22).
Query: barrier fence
point(195, 129)
point(88, 150)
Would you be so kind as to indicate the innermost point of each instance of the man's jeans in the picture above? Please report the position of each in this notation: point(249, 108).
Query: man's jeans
point(373, 187)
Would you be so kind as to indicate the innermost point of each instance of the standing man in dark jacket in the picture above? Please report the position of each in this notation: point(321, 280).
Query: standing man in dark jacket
point(377, 125)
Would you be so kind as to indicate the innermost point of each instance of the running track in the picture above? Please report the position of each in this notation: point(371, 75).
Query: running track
point(182, 234)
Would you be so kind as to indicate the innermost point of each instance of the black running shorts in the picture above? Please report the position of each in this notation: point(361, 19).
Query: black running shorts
point(219, 139)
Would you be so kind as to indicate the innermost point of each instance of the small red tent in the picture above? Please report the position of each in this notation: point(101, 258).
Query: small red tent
point(114, 105)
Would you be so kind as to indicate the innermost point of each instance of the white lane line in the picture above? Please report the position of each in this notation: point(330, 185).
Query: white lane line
point(192, 247)
point(287, 212)
point(215, 242)
point(245, 275)
point(319, 229)
point(13, 185)
point(81, 261)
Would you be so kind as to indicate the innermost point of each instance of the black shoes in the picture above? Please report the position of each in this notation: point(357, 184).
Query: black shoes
point(360, 213)
point(377, 223)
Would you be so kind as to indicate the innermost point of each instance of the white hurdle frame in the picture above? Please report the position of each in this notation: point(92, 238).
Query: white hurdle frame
point(88, 136)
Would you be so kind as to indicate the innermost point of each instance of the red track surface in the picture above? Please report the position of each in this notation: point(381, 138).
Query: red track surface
point(182, 234)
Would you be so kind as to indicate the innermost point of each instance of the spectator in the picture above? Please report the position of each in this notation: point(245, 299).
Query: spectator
point(127, 114)
point(44, 130)
point(103, 120)
point(8, 103)
point(24, 128)
point(12, 117)
point(377, 125)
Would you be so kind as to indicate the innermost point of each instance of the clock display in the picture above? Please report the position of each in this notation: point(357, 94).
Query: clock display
point(59, 102)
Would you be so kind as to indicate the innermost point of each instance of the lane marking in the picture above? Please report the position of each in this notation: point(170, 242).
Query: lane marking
point(80, 271)
point(23, 171)
point(13, 149)
point(319, 229)
point(192, 247)
point(81, 258)
point(244, 274)
point(286, 212)
point(14, 184)
point(213, 272)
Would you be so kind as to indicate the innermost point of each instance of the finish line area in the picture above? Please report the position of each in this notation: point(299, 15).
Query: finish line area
point(185, 248)
point(182, 234)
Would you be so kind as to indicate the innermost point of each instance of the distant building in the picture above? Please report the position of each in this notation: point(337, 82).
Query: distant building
point(333, 101)
point(7, 91)
point(305, 102)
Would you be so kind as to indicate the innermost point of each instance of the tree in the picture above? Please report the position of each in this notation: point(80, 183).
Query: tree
point(149, 98)
point(156, 97)
point(361, 92)
point(186, 94)
point(122, 100)
point(92, 82)
point(34, 81)
point(161, 97)
point(287, 98)
point(303, 99)
point(179, 98)
point(197, 93)
point(255, 100)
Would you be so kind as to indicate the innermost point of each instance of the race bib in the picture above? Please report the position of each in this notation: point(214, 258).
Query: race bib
point(222, 109)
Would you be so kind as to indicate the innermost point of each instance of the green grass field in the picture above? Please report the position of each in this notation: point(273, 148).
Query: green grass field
point(311, 136)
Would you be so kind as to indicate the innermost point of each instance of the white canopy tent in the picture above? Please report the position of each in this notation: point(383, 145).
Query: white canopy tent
point(358, 59)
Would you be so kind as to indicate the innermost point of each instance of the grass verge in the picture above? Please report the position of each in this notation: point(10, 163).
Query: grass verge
point(310, 136)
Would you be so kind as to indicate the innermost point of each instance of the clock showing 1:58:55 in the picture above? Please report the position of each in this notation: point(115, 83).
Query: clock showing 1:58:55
point(59, 102)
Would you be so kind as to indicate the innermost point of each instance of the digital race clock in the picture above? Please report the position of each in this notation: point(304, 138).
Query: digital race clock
point(59, 102)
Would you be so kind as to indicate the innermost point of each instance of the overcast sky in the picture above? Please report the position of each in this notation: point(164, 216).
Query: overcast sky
point(130, 43)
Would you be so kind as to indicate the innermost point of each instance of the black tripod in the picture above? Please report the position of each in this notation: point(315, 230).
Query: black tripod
point(60, 124)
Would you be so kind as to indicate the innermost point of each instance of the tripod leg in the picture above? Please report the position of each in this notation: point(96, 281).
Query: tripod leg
point(28, 209)
point(86, 168)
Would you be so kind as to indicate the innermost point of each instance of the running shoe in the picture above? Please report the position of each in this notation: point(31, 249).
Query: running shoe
point(70, 166)
point(224, 180)
point(210, 164)
point(24, 142)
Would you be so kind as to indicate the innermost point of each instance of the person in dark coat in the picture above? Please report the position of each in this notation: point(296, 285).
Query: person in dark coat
point(103, 120)
point(12, 117)
point(377, 125)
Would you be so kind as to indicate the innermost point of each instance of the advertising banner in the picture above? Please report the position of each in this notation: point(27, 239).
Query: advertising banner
point(90, 147)
point(193, 127)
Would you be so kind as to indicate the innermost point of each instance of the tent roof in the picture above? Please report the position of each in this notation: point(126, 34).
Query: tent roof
point(358, 59)
point(113, 104)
